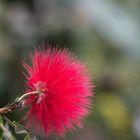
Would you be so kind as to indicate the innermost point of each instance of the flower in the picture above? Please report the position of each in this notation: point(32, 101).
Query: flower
point(64, 92)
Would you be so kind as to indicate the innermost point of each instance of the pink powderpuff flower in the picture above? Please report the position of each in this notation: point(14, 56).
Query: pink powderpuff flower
point(64, 92)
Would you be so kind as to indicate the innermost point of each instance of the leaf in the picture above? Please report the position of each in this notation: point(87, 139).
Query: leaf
point(19, 129)
point(30, 137)
point(1, 120)
point(1, 134)
point(26, 137)
point(16, 123)
point(1, 131)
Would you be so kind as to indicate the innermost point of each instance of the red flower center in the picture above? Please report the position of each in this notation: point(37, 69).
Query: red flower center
point(40, 86)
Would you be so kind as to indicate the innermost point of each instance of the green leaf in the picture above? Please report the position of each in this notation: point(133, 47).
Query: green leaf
point(19, 129)
point(1, 131)
point(26, 137)
point(1, 120)
point(1, 134)
point(16, 123)
point(30, 137)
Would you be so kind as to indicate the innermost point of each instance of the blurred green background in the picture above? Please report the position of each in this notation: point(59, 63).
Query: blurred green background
point(105, 34)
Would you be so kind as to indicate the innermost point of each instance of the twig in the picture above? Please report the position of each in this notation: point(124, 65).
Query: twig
point(8, 121)
point(17, 103)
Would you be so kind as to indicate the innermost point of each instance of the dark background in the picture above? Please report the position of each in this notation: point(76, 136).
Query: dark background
point(105, 34)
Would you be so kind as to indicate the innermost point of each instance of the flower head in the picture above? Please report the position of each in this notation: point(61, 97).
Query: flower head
point(64, 92)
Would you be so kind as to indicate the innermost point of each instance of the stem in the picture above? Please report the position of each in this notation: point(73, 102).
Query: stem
point(17, 103)
point(26, 94)
point(16, 127)
point(8, 121)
